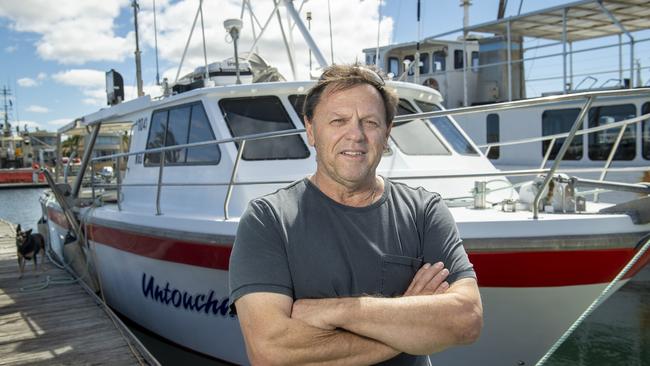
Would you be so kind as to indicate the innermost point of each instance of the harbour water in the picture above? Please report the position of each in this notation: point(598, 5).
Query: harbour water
point(617, 333)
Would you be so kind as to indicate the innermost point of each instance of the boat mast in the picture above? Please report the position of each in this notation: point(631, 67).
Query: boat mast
point(465, 4)
point(138, 67)
point(7, 127)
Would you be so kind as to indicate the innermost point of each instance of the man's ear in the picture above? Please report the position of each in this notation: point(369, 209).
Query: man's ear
point(309, 130)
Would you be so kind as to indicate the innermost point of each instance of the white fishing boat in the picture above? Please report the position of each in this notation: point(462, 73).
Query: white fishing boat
point(488, 62)
point(157, 239)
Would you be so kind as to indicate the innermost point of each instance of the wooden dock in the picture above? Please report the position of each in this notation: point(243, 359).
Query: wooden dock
point(59, 324)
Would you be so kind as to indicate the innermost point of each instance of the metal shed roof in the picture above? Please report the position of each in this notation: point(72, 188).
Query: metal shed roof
point(584, 20)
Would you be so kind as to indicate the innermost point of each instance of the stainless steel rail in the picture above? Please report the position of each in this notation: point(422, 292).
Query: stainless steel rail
point(226, 201)
point(560, 155)
point(589, 96)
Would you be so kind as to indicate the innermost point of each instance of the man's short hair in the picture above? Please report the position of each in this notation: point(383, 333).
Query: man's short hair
point(341, 77)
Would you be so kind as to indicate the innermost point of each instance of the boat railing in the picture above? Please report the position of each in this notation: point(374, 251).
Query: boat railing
point(588, 97)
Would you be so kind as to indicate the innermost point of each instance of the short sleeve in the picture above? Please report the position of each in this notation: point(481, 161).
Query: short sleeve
point(442, 241)
point(258, 262)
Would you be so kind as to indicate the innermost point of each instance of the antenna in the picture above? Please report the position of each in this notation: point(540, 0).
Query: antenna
point(309, 28)
point(6, 92)
point(155, 39)
point(138, 67)
point(329, 14)
point(233, 26)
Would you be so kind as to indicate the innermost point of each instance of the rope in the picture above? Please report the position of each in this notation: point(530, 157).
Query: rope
point(595, 303)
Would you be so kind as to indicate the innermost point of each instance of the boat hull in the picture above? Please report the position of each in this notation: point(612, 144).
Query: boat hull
point(179, 290)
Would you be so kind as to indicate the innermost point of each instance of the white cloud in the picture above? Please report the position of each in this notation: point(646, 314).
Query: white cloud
point(92, 84)
point(60, 121)
point(85, 78)
point(27, 82)
point(41, 76)
point(37, 109)
point(11, 49)
point(354, 24)
point(71, 32)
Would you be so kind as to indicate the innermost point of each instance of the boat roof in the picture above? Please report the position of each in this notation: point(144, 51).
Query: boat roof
point(586, 19)
point(118, 117)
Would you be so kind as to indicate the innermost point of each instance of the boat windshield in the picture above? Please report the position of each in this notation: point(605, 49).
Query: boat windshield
point(415, 137)
point(448, 130)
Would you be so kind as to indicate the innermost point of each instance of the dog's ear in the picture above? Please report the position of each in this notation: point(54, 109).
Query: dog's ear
point(28, 232)
point(18, 228)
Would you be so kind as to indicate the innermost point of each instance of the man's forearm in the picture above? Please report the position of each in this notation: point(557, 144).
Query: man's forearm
point(413, 324)
point(302, 344)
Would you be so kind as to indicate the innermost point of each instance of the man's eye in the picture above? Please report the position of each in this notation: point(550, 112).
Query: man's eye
point(336, 121)
point(371, 123)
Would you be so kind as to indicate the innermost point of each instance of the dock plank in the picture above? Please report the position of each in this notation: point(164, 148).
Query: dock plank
point(60, 324)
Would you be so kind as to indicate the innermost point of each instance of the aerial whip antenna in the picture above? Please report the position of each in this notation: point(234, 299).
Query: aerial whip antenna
point(155, 39)
point(329, 14)
point(138, 66)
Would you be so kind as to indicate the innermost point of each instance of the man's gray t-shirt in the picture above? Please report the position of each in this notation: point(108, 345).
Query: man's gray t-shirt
point(301, 243)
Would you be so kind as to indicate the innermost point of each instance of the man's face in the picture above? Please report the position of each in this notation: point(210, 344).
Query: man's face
point(349, 133)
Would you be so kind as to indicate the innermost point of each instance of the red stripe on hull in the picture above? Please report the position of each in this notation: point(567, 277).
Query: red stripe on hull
point(214, 256)
point(493, 269)
point(553, 268)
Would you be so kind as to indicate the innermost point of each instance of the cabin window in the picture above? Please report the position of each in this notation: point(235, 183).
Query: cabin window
point(410, 67)
point(492, 135)
point(448, 130)
point(393, 66)
point(297, 101)
point(156, 139)
point(645, 132)
point(253, 115)
point(475, 61)
point(178, 126)
point(560, 121)
point(415, 137)
point(458, 59)
point(439, 61)
point(602, 142)
point(200, 131)
point(424, 63)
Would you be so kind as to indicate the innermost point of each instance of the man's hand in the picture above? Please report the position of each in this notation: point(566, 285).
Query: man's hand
point(429, 280)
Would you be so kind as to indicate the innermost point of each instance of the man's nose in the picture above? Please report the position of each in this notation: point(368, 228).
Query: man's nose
point(355, 130)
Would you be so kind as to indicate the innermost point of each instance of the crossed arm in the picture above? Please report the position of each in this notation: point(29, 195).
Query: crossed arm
point(431, 316)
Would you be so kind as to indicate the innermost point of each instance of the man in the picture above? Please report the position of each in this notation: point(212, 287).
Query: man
point(346, 267)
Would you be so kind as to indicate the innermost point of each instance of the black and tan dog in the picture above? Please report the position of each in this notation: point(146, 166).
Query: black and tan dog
point(28, 246)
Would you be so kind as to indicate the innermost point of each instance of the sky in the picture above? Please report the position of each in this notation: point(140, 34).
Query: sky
point(54, 54)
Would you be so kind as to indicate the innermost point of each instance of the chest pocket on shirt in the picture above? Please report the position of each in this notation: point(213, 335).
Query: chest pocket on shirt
point(397, 271)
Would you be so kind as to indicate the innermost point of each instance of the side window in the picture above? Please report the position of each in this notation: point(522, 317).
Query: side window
point(253, 115)
point(560, 121)
point(178, 126)
point(393, 65)
point(439, 61)
point(645, 132)
point(200, 130)
point(448, 130)
point(475, 61)
point(602, 142)
point(424, 61)
point(458, 59)
point(492, 134)
point(411, 67)
point(415, 137)
point(157, 132)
